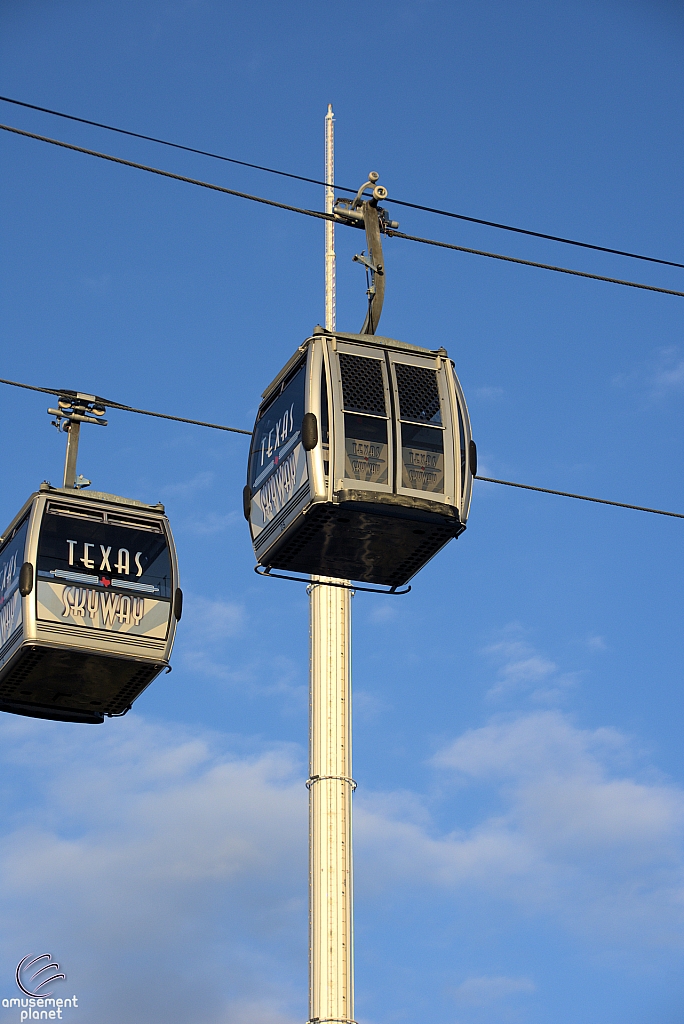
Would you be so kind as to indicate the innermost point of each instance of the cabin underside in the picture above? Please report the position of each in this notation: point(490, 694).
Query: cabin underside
point(371, 542)
point(70, 685)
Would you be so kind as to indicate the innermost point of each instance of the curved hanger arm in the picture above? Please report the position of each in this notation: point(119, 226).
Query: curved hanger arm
point(371, 221)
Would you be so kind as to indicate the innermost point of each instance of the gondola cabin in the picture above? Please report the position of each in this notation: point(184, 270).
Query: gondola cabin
point(89, 602)
point(360, 463)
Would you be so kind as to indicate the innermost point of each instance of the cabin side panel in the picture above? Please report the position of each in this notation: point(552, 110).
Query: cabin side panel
point(278, 471)
point(12, 555)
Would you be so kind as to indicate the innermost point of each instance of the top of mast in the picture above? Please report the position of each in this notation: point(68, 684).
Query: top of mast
point(330, 284)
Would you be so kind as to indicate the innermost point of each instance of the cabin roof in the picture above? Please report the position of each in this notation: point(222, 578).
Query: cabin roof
point(373, 340)
point(80, 495)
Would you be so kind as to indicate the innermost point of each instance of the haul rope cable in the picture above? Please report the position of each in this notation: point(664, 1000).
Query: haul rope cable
point(326, 216)
point(237, 430)
point(581, 497)
point(341, 188)
point(531, 263)
point(126, 408)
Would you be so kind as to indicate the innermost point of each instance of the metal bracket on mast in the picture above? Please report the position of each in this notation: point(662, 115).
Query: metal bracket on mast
point(366, 213)
point(72, 410)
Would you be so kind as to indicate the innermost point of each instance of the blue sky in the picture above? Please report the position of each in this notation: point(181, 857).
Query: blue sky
point(519, 821)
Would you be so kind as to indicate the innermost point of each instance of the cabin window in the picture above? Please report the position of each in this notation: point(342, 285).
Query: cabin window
point(422, 434)
point(418, 394)
point(278, 428)
point(363, 386)
point(101, 555)
point(365, 419)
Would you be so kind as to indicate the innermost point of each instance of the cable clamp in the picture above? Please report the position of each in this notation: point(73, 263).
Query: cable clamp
point(340, 778)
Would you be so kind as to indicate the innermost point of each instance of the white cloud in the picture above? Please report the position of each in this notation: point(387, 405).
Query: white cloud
point(199, 482)
point(521, 664)
point(162, 871)
point(661, 375)
point(489, 393)
point(523, 670)
point(574, 837)
point(486, 990)
point(367, 705)
point(382, 612)
point(209, 644)
point(211, 621)
point(527, 746)
point(484, 469)
point(209, 524)
point(159, 857)
point(668, 373)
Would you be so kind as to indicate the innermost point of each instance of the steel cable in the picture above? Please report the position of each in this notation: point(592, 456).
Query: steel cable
point(237, 430)
point(343, 188)
point(326, 216)
point(581, 497)
point(126, 408)
point(532, 263)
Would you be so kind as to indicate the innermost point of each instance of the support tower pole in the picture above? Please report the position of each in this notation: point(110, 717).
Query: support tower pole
point(331, 936)
point(70, 460)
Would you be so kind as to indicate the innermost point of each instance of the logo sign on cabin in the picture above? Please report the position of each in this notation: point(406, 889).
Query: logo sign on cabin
point(277, 467)
point(104, 576)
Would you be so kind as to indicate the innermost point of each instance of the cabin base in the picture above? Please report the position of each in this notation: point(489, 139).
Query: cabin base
point(72, 686)
point(384, 544)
